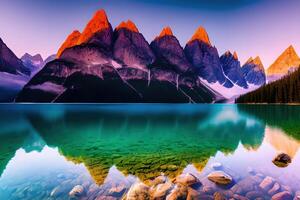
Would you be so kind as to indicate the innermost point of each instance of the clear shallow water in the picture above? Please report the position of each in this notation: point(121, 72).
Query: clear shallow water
point(46, 150)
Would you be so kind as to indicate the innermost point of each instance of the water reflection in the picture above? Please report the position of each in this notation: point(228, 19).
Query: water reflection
point(107, 146)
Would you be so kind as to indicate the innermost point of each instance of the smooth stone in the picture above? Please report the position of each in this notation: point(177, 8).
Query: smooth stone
point(219, 177)
point(275, 189)
point(267, 183)
point(187, 179)
point(219, 196)
point(282, 160)
point(161, 190)
point(216, 166)
point(138, 191)
point(179, 192)
point(282, 196)
point(77, 191)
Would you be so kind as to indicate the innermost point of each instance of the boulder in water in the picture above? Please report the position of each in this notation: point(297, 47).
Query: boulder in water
point(282, 160)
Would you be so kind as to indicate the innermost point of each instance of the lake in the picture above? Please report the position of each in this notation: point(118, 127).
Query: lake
point(147, 150)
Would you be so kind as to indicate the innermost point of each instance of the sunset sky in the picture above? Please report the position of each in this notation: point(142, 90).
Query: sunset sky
point(250, 27)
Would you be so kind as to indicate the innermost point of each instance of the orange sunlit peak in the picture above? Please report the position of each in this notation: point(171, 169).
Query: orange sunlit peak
point(71, 41)
point(128, 25)
point(166, 31)
point(201, 35)
point(235, 55)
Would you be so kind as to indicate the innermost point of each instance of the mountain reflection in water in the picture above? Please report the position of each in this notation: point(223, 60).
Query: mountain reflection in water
point(105, 144)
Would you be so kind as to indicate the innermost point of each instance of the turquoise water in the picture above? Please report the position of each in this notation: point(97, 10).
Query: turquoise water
point(46, 150)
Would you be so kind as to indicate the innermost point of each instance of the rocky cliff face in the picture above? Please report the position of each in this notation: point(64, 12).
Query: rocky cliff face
point(232, 69)
point(130, 47)
point(205, 58)
point(169, 54)
point(286, 61)
point(10, 63)
point(98, 32)
point(254, 72)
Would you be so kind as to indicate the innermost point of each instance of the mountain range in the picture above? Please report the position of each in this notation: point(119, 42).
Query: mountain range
point(102, 64)
point(15, 72)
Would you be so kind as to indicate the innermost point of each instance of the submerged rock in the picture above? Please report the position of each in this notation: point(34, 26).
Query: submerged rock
point(220, 177)
point(283, 196)
point(267, 183)
point(187, 179)
point(282, 160)
point(274, 189)
point(77, 191)
point(161, 190)
point(138, 191)
point(179, 192)
point(159, 180)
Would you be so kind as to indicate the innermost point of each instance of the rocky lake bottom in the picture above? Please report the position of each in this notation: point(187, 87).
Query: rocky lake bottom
point(132, 152)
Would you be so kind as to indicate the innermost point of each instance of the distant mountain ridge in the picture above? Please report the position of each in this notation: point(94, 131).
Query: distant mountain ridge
point(122, 58)
point(287, 62)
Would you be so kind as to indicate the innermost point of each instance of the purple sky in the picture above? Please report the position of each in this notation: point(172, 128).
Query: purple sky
point(250, 27)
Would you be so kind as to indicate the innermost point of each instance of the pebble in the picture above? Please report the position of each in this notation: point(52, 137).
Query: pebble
point(282, 196)
point(282, 160)
point(161, 190)
point(275, 189)
point(138, 191)
point(179, 192)
point(220, 177)
point(159, 180)
point(187, 179)
point(267, 183)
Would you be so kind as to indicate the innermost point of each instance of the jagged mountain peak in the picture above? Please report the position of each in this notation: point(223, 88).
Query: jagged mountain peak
point(166, 31)
point(129, 25)
point(71, 41)
point(250, 60)
point(235, 55)
point(201, 35)
point(257, 61)
point(287, 60)
point(98, 23)
point(36, 57)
